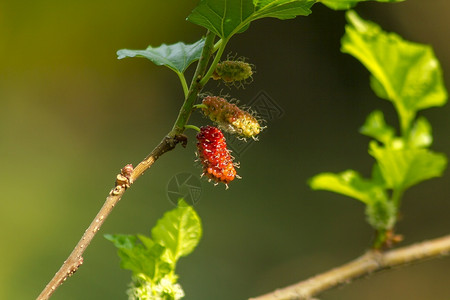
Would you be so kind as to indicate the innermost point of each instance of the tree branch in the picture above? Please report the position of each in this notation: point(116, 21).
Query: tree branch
point(129, 175)
point(368, 263)
point(123, 181)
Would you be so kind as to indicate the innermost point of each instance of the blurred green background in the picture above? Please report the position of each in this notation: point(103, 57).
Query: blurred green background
point(72, 115)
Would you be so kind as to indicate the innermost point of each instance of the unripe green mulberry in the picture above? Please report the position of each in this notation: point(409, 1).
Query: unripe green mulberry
point(232, 71)
point(231, 118)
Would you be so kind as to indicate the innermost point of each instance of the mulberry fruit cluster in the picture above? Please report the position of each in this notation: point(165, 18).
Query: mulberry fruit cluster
point(232, 71)
point(215, 157)
point(230, 117)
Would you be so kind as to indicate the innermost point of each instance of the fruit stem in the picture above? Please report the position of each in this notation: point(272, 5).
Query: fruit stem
point(200, 106)
point(192, 127)
point(215, 62)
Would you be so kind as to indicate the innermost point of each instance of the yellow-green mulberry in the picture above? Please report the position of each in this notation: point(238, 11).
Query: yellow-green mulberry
point(230, 117)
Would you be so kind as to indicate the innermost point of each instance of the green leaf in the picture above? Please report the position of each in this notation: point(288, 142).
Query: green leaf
point(122, 241)
point(146, 241)
point(228, 17)
point(403, 167)
point(281, 9)
point(406, 73)
point(179, 230)
point(420, 135)
point(177, 56)
point(351, 184)
point(137, 257)
point(377, 176)
point(346, 4)
point(175, 234)
point(376, 127)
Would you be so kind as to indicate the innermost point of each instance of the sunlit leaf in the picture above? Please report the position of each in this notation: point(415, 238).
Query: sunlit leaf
point(376, 127)
point(228, 17)
point(179, 230)
point(346, 4)
point(406, 73)
point(351, 184)
point(420, 135)
point(404, 167)
point(122, 241)
point(146, 241)
point(177, 56)
point(135, 256)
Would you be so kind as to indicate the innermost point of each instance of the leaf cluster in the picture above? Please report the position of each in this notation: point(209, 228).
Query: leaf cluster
point(154, 258)
point(409, 75)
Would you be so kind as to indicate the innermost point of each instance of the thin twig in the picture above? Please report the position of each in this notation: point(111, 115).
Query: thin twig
point(368, 263)
point(129, 175)
point(123, 182)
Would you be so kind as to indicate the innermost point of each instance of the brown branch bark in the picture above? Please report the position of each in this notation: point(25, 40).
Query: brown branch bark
point(123, 181)
point(368, 263)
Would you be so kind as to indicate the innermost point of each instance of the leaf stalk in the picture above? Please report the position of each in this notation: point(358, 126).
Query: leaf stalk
point(196, 87)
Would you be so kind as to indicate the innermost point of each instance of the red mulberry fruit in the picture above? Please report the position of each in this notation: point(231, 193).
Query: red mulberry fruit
point(232, 71)
point(230, 118)
point(214, 155)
